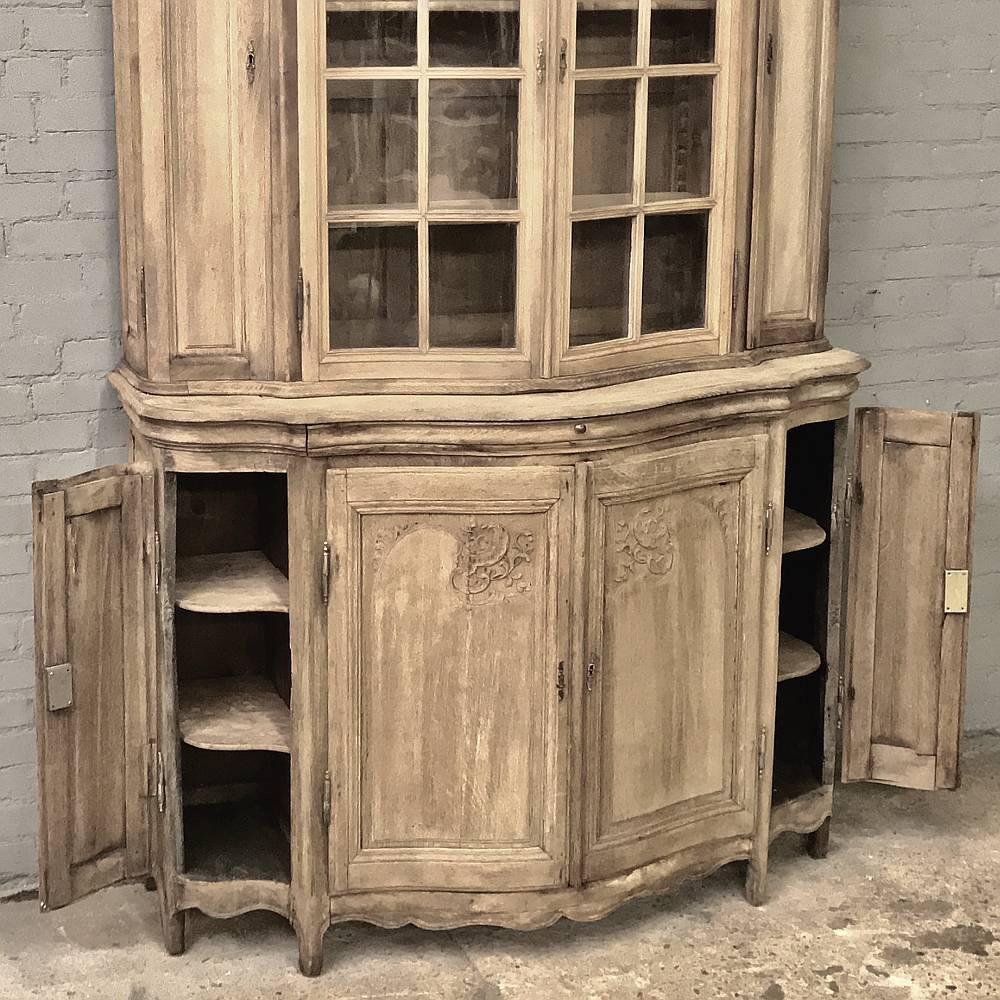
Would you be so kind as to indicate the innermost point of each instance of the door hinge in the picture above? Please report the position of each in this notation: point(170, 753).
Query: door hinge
point(737, 279)
point(762, 752)
point(325, 572)
point(956, 592)
point(59, 687)
point(770, 54)
point(563, 60)
point(327, 798)
point(591, 675)
point(769, 528)
point(300, 303)
point(841, 695)
point(849, 498)
point(161, 784)
point(142, 299)
point(541, 62)
point(561, 681)
point(157, 571)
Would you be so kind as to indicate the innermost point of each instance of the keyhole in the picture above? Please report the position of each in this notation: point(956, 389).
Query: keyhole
point(251, 63)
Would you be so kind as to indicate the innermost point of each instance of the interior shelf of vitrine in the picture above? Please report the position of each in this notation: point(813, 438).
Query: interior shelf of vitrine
point(803, 673)
point(234, 680)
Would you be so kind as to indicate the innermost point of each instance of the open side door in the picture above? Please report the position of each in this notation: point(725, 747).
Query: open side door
point(94, 558)
point(908, 594)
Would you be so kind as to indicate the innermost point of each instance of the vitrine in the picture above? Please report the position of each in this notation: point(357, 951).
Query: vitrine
point(492, 548)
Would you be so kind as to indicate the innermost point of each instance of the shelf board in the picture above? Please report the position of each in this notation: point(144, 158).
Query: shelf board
point(234, 713)
point(240, 842)
point(801, 532)
point(230, 583)
point(792, 782)
point(804, 812)
point(796, 658)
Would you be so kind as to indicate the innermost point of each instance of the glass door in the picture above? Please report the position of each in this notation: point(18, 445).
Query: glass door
point(646, 218)
point(423, 180)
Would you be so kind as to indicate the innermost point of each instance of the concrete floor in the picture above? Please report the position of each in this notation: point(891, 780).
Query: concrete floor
point(906, 908)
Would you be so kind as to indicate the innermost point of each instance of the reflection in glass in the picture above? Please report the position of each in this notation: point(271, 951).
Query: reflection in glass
point(372, 142)
point(473, 142)
point(474, 38)
point(606, 37)
point(679, 138)
point(682, 36)
point(373, 287)
point(599, 297)
point(371, 38)
point(473, 274)
point(674, 272)
point(603, 143)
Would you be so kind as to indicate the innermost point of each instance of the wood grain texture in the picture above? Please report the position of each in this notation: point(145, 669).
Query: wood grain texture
point(234, 713)
point(231, 583)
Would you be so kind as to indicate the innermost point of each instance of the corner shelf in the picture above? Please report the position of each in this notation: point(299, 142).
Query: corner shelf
point(230, 583)
point(796, 658)
point(235, 713)
point(801, 532)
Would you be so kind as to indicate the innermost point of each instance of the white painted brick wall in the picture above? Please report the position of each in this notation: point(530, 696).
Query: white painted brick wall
point(914, 282)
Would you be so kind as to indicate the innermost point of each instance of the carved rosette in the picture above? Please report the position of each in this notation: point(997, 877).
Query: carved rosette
point(643, 544)
point(493, 564)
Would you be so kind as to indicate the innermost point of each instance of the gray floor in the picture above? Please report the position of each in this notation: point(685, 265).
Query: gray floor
point(906, 906)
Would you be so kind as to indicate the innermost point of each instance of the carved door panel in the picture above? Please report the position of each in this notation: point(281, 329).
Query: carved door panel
point(93, 626)
point(448, 628)
point(676, 547)
point(907, 628)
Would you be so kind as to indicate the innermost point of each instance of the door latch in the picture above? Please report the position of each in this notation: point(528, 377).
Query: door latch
point(325, 577)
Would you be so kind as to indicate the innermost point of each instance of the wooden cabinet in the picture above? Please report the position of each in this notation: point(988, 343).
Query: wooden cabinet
point(493, 550)
point(673, 633)
point(449, 662)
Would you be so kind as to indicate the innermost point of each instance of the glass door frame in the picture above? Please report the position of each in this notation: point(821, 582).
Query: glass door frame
point(735, 76)
point(319, 362)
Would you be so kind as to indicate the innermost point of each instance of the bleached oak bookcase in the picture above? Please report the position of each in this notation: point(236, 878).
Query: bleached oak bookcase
point(494, 549)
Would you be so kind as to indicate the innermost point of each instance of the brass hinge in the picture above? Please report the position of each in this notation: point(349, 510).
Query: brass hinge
point(325, 572)
point(770, 54)
point(737, 279)
point(841, 695)
point(142, 299)
point(157, 566)
point(300, 303)
point(563, 60)
point(956, 592)
point(762, 752)
point(161, 784)
point(561, 681)
point(541, 62)
point(769, 528)
point(327, 798)
point(59, 687)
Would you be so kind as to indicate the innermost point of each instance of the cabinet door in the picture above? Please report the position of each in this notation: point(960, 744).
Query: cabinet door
point(907, 625)
point(448, 637)
point(217, 296)
point(676, 547)
point(789, 254)
point(93, 605)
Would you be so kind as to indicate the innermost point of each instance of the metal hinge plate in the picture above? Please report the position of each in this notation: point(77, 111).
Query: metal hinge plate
point(325, 572)
point(157, 564)
point(161, 784)
point(327, 798)
point(59, 687)
point(762, 752)
point(956, 592)
point(770, 55)
point(300, 303)
point(142, 299)
point(841, 695)
point(769, 528)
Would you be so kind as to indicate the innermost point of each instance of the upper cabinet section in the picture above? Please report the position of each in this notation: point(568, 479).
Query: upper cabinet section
point(485, 195)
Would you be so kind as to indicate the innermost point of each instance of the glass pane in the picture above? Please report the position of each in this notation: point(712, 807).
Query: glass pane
point(603, 143)
point(679, 138)
point(475, 37)
point(372, 142)
point(606, 37)
point(473, 143)
point(371, 38)
point(673, 272)
point(473, 271)
point(373, 287)
point(599, 297)
point(682, 36)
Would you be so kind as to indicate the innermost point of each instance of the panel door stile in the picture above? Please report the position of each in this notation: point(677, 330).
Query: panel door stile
point(94, 609)
point(905, 654)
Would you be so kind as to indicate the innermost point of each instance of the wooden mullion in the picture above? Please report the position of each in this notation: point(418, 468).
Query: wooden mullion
point(639, 173)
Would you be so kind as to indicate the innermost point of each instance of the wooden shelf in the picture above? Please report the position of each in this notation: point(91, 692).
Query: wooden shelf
point(235, 842)
point(796, 658)
point(234, 713)
point(792, 781)
point(804, 812)
point(230, 583)
point(801, 532)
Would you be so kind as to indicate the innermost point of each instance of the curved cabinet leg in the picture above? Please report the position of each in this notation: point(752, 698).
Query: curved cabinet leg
point(174, 932)
point(311, 948)
point(818, 843)
point(755, 887)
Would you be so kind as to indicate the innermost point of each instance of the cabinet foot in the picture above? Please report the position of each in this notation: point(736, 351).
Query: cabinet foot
point(175, 932)
point(755, 887)
point(311, 951)
point(818, 843)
